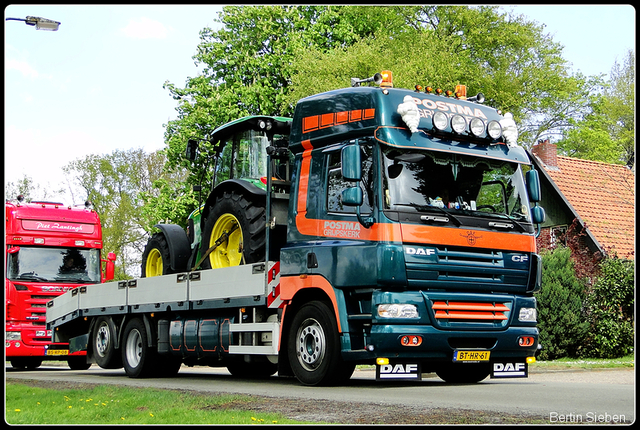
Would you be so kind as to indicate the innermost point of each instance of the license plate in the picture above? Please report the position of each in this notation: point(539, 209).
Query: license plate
point(57, 352)
point(471, 356)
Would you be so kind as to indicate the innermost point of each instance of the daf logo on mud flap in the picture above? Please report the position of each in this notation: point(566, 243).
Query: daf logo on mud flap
point(520, 258)
point(398, 371)
point(419, 251)
point(509, 370)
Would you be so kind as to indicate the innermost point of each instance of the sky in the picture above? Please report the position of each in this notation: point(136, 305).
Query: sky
point(95, 85)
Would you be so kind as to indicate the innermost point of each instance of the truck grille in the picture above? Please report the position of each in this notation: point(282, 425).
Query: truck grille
point(469, 311)
point(464, 269)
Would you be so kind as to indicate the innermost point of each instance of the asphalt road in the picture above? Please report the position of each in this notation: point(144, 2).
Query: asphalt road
point(575, 396)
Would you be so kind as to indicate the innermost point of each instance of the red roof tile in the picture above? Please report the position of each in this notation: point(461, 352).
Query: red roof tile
point(603, 195)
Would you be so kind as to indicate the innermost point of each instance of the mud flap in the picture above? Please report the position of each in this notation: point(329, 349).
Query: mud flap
point(509, 369)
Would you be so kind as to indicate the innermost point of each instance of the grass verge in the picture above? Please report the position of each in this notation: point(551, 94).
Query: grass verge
point(104, 404)
point(585, 363)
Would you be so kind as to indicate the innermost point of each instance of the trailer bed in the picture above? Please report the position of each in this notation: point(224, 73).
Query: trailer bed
point(245, 285)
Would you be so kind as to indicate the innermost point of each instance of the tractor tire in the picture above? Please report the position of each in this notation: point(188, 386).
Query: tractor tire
point(155, 258)
point(238, 223)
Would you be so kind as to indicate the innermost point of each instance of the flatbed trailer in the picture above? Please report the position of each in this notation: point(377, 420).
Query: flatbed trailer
point(254, 287)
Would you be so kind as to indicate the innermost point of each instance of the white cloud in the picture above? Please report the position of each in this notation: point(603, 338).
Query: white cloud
point(145, 28)
point(21, 66)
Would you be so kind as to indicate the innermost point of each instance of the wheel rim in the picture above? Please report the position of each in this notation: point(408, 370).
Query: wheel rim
point(134, 348)
point(229, 252)
point(102, 340)
point(310, 344)
point(154, 263)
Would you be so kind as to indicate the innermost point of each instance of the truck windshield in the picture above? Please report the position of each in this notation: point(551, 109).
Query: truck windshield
point(61, 265)
point(423, 180)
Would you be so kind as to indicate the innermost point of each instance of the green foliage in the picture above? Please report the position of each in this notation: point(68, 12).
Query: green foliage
point(560, 306)
point(125, 187)
point(26, 187)
point(610, 306)
point(605, 130)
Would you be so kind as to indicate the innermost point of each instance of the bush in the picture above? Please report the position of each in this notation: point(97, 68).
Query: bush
point(561, 317)
point(610, 310)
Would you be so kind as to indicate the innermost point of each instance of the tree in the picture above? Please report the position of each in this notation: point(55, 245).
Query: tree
point(561, 319)
point(606, 129)
point(119, 185)
point(29, 190)
point(610, 309)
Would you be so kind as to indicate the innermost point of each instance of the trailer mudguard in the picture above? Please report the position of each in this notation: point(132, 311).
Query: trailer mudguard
point(179, 248)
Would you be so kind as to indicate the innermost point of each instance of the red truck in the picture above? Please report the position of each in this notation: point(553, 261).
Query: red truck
point(50, 249)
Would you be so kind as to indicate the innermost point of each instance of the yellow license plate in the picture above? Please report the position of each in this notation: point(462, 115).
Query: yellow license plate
point(471, 356)
point(57, 352)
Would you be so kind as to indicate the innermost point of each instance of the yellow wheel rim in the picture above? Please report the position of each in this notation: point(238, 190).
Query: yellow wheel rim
point(229, 252)
point(154, 263)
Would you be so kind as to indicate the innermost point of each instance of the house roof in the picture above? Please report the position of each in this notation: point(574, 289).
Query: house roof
point(603, 195)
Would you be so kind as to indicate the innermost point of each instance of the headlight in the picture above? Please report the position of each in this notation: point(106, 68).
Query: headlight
point(477, 127)
point(397, 311)
point(494, 129)
point(528, 315)
point(458, 124)
point(13, 335)
point(440, 121)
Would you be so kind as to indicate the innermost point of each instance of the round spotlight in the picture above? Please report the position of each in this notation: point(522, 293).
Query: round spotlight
point(477, 127)
point(494, 129)
point(458, 124)
point(440, 121)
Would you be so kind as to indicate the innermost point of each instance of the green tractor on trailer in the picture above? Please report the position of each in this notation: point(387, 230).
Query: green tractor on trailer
point(377, 226)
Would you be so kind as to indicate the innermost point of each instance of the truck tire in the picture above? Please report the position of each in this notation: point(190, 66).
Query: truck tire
point(314, 347)
point(103, 345)
point(461, 373)
point(238, 223)
point(78, 363)
point(155, 258)
point(138, 358)
point(29, 363)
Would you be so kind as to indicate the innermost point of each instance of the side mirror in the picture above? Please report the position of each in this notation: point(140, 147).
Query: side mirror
point(352, 196)
point(538, 215)
point(351, 163)
point(110, 267)
point(533, 185)
point(192, 150)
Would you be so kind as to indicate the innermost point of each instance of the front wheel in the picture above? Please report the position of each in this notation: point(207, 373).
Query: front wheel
point(314, 347)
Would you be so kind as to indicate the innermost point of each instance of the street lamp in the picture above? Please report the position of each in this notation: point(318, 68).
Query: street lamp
point(40, 23)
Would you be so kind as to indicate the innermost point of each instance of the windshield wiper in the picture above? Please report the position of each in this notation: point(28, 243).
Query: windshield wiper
point(505, 225)
point(32, 276)
point(424, 208)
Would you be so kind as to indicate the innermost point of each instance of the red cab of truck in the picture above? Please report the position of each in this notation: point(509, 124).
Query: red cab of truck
point(50, 249)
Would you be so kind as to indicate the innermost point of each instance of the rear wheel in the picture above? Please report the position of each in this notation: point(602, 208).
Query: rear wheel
point(103, 345)
point(155, 258)
point(235, 228)
point(138, 357)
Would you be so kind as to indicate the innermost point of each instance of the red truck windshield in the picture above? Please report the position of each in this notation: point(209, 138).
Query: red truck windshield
point(62, 265)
